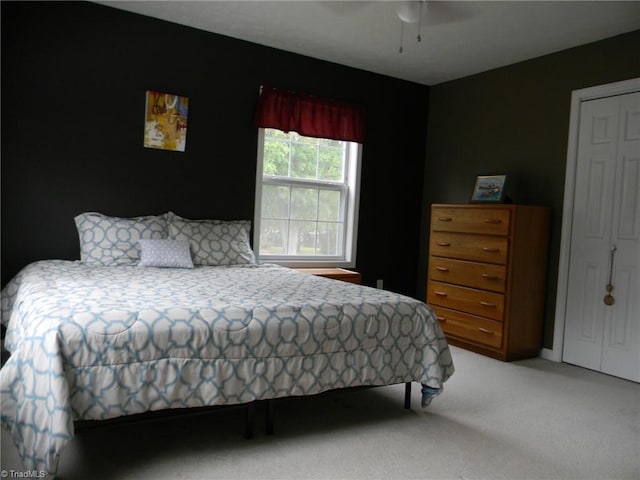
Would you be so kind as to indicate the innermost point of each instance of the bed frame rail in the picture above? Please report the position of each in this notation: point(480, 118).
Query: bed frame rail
point(271, 409)
point(250, 415)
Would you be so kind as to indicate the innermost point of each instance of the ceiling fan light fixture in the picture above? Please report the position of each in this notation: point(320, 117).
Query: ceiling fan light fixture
point(411, 11)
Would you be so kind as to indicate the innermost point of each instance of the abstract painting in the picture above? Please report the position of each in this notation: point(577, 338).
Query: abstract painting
point(166, 121)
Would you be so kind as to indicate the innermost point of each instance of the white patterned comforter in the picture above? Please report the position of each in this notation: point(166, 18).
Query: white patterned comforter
point(91, 342)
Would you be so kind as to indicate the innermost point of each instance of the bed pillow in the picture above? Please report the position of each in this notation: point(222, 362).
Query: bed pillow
point(165, 253)
point(214, 242)
point(112, 241)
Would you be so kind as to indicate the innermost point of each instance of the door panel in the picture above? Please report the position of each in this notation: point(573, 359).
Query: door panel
point(628, 224)
point(590, 311)
point(606, 217)
point(593, 206)
point(620, 355)
point(621, 350)
point(596, 213)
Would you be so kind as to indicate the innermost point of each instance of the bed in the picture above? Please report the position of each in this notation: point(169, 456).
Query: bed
point(105, 337)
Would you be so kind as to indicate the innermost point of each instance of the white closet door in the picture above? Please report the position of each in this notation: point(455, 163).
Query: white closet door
point(606, 217)
point(621, 350)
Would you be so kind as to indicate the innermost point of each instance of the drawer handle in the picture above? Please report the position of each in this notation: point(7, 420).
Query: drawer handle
point(486, 330)
point(445, 219)
point(442, 320)
point(440, 294)
point(488, 305)
point(492, 220)
point(443, 244)
point(442, 269)
point(490, 249)
point(486, 276)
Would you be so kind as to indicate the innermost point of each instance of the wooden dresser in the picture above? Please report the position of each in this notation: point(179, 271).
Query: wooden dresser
point(487, 273)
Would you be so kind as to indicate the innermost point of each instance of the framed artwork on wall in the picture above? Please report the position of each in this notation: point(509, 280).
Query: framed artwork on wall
point(165, 124)
point(489, 189)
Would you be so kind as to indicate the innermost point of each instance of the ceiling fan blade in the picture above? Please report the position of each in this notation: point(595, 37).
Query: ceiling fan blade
point(439, 13)
point(344, 7)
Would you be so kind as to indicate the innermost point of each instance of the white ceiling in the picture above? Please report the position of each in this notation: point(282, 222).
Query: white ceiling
point(459, 38)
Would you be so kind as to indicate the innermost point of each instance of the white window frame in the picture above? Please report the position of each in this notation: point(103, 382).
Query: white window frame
point(351, 206)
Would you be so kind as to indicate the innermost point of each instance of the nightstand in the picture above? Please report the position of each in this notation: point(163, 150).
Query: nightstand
point(335, 273)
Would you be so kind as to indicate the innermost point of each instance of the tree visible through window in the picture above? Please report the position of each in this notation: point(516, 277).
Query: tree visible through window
point(306, 197)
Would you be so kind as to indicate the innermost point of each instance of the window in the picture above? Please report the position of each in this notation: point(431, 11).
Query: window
point(306, 199)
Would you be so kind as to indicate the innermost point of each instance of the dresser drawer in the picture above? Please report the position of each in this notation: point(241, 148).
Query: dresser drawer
point(485, 276)
point(469, 327)
point(492, 221)
point(469, 300)
point(479, 248)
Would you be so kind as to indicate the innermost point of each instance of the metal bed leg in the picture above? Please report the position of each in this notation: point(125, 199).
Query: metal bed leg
point(407, 395)
point(271, 409)
point(250, 420)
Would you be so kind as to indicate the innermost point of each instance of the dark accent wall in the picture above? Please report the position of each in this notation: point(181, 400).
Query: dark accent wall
point(74, 76)
point(515, 120)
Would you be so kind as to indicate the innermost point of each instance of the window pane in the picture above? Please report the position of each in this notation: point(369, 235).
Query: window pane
point(329, 239)
point(275, 133)
point(329, 205)
point(302, 238)
point(331, 164)
point(273, 237)
point(327, 142)
point(275, 201)
point(276, 157)
point(304, 203)
point(294, 136)
point(308, 140)
point(304, 162)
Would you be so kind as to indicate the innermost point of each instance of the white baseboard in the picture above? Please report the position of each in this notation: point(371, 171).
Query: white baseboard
point(549, 354)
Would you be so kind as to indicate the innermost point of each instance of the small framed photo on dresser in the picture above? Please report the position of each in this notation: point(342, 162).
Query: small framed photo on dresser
point(489, 189)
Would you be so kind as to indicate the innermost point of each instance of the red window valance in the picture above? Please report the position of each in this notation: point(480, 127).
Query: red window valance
point(309, 115)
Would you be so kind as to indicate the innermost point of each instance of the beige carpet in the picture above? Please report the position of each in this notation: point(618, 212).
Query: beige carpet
point(532, 419)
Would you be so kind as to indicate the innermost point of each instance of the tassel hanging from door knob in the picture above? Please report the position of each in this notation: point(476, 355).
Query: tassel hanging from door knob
point(608, 298)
